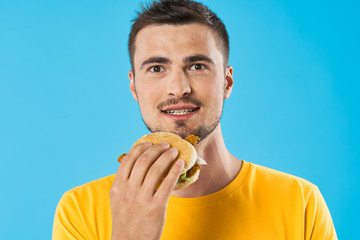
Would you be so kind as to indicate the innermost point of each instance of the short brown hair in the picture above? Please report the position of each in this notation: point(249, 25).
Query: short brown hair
point(177, 12)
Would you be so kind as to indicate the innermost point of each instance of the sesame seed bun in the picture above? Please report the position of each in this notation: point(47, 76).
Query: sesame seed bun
point(186, 152)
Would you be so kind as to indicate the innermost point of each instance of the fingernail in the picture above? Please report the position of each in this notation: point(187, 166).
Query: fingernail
point(147, 144)
point(179, 162)
point(173, 150)
point(165, 144)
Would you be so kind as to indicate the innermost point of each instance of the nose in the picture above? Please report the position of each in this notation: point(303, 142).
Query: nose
point(178, 84)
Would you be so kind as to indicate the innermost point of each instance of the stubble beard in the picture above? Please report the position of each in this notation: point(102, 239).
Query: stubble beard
point(183, 130)
point(181, 127)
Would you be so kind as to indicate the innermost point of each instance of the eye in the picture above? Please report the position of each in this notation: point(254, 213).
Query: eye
point(156, 69)
point(197, 66)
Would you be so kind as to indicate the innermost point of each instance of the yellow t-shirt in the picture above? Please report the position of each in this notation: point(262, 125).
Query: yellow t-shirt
point(260, 203)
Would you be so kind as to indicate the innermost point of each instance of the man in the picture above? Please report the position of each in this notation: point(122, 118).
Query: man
point(180, 77)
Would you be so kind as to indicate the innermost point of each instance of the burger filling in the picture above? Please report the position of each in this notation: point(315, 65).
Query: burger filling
point(186, 177)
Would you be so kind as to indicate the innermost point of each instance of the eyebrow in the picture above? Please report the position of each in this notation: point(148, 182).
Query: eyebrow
point(155, 60)
point(198, 57)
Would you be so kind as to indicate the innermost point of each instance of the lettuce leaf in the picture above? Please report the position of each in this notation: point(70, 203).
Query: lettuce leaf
point(183, 178)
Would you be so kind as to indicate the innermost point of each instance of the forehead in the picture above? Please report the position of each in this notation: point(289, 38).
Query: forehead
point(176, 41)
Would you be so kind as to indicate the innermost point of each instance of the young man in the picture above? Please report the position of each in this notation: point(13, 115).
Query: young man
point(179, 53)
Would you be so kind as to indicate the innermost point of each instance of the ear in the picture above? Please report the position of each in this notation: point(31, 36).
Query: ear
point(229, 82)
point(132, 85)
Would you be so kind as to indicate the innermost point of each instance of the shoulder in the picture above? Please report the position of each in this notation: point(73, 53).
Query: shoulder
point(85, 200)
point(95, 189)
point(280, 182)
point(82, 209)
point(296, 197)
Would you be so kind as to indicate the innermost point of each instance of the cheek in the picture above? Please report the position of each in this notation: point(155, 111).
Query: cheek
point(211, 91)
point(148, 97)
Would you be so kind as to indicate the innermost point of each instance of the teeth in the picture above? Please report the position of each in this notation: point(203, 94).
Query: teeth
point(180, 111)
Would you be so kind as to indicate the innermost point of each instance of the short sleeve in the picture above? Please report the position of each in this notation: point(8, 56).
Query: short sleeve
point(68, 222)
point(318, 222)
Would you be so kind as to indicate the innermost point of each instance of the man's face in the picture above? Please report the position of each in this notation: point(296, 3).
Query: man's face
point(180, 81)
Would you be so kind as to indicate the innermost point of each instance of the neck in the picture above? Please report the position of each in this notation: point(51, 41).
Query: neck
point(220, 170)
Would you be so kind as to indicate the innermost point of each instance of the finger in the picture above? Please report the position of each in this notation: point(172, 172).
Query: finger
point(144, 162)
point(159, 170)
point(129, 160)
point(168, 184)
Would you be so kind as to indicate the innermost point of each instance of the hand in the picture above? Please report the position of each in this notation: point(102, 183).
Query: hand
point(138, 210)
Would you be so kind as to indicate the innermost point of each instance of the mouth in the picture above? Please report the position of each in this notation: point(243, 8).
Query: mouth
point(181, 111)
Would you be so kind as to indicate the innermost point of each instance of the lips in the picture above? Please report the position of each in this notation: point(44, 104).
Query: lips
point(180, 109)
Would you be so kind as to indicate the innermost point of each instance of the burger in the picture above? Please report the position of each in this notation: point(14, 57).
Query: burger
point(186, 152)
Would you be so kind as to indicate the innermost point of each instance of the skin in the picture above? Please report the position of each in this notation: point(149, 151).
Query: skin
point(157, 82)
point(173, 64)
point(138, 212)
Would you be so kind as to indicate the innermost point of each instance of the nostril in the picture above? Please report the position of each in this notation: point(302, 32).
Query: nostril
point(179, 92)
point(186, 94)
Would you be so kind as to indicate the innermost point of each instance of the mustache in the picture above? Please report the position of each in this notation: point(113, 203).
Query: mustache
point(174, 101)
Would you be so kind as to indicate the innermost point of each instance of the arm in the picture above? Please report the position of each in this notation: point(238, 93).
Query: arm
point(138, 210)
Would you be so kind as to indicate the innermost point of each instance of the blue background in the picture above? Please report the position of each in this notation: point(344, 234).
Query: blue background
point(66, 112)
